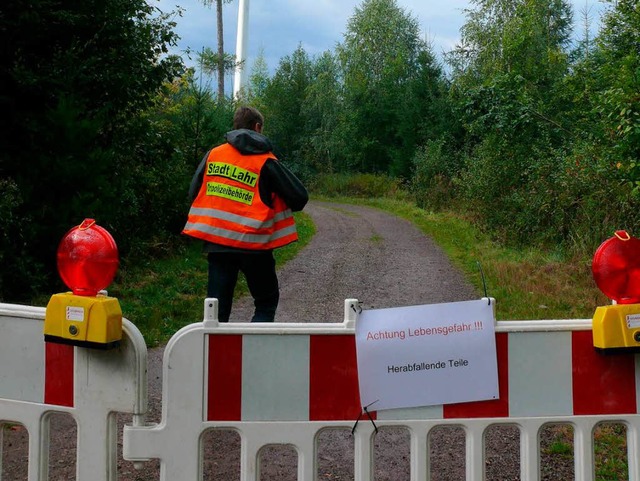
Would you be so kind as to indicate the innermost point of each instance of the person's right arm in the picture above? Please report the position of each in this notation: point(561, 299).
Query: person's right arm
point(277, 179)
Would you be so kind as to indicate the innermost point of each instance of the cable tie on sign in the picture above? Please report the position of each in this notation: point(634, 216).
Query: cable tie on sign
point(357, 310)
point(365, 411)
point(484, 282)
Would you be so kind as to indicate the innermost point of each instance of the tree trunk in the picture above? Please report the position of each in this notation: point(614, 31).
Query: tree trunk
point(220, 51)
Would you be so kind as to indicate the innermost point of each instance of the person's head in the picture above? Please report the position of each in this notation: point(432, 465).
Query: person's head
point(248, 118)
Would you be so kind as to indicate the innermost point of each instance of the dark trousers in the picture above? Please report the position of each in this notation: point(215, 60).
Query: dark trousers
point(260, 271)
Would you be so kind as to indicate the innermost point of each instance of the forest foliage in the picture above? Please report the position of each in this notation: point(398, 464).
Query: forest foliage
point(527, 126)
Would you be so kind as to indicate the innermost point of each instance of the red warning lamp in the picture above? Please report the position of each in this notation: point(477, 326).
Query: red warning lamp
point(87, 258)
point(616, 268)
point(87, 263)
point(616, 271)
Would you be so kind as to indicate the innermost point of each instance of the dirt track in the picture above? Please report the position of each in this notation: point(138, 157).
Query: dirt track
point(362, 253)
point(357, 252)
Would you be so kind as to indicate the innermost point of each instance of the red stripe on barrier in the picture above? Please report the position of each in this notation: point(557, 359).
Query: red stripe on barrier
point(59, 373)
point(487, 409)
point(224, 388)
point(602, 384)
point(333, 379)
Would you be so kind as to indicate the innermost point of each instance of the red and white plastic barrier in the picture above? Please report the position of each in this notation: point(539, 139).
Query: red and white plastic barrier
point(279, 383)
point(283, 383)
point(38, 378)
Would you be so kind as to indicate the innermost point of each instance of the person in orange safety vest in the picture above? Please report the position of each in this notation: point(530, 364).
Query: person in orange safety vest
point(242, 203)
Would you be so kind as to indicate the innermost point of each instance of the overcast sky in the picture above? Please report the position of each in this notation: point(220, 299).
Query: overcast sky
point(279, 26)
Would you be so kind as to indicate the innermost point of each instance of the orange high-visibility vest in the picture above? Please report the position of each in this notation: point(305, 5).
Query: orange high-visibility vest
point(228, 209)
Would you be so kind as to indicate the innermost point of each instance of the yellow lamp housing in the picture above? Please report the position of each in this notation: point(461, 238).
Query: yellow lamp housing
point(86, 321)
point(616, 328)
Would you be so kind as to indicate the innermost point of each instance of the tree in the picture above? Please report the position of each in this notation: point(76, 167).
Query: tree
point(322, 111)
point(506, 72)
point(258, 80)
point(210, 64)
point(220, 58)
point(379, 58)
point(76, 76)
point(508, 90)
point(283, 101)
point(619, 101)
point(303, 108)
point(523, 37)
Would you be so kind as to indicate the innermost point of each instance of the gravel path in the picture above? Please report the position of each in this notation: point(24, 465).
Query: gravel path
point(357, 252)
point(362, 253)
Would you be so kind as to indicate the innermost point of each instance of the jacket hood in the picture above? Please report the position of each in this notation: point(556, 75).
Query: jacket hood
point(249, 142)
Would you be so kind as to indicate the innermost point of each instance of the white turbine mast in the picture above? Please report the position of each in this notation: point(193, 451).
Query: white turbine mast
point(241, 47)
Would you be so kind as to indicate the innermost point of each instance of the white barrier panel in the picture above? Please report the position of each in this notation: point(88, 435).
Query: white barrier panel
point(38, 378)
point(283, 383)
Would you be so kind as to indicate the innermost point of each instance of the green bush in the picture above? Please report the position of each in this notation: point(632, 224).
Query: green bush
point(356, 185)
point(433, 169)
point(21, 271)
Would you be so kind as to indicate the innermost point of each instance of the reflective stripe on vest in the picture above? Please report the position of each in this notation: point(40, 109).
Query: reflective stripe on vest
point(237, 236)
point(238, 219)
